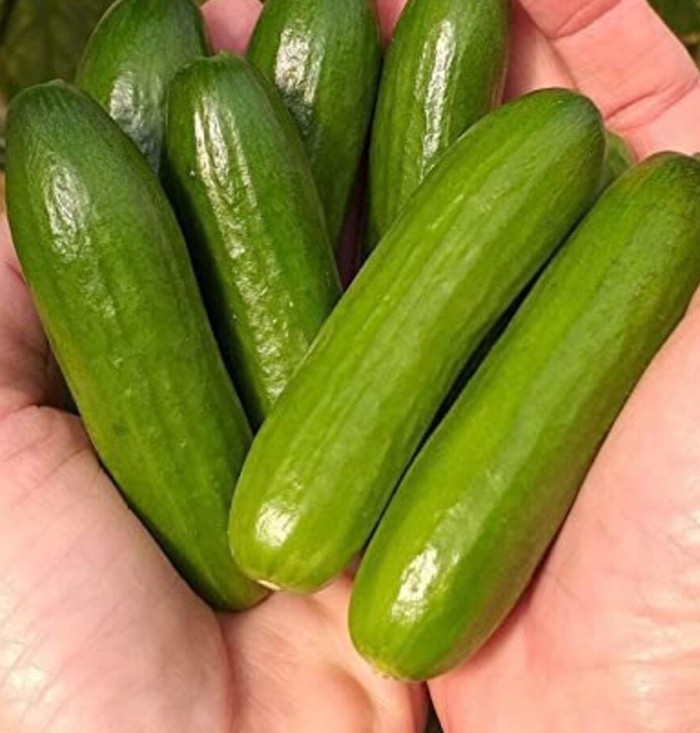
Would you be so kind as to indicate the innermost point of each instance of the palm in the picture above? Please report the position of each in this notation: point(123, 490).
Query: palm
point(97, 632)
point(609, 636)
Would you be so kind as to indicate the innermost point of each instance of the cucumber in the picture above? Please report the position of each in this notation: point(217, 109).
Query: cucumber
point(326, 461)
point(324, 57)
point(483, 500)
point(618, 159)
point(111, 278)
point(131, 58)
point(444, 70)
point(241, 184)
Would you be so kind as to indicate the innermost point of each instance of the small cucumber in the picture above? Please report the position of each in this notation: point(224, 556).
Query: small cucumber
point(324, 57)
point(325, 463)
point(111, 278)
point(618, 159)
point(483, 500)
point(237, 173)
point(130, 59)
point(444, 70)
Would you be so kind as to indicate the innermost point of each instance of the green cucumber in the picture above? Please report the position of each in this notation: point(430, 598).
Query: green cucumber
point(324, 57)
point(444, 70)
point(483, 500)
point(111, 278)
point(618, 159)
point(325, 463)
point(240, 181)
point(131, 58)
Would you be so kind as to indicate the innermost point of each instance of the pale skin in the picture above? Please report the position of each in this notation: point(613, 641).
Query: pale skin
point(98, 633)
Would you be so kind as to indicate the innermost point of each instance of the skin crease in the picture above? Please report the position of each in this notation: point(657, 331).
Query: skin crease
point(97, 633)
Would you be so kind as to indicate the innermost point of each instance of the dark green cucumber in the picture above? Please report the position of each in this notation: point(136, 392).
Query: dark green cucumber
point(483, 500)
point(131, 58)
point(111, 278)
point(618, 159)
point(251, 214)
point(324, 57)
point(444, 70)
point(325, 463)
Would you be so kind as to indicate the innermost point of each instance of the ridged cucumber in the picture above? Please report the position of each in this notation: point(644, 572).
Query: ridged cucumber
point(130, 59)
point(113, 284)
point(483, 500)
point(444, 70)
point(324, 57)
point(326, 461)
point(244, 193)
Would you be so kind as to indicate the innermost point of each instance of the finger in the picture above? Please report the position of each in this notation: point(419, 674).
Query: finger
point(389, 12)
point(295, 669)
point(621, 54)
point(28, 373)
point(610, 630)
point(533, 62)
point(231, 23)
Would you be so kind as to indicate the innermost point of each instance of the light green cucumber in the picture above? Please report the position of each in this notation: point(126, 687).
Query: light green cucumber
point(480, 505)
point(112, 282)
point(131, 58)
point(325, 463)
point(246, 199)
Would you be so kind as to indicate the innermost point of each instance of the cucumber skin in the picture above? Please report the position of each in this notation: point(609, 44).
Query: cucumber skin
point(619, 158)
point(326, 461)
point(482, 502)
point(240, 181)
point(324, 56)
point(444, 70)
point(112, 282)
point(131, 58)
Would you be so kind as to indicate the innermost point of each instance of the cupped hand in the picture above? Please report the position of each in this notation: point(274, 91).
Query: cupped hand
point(98, 633)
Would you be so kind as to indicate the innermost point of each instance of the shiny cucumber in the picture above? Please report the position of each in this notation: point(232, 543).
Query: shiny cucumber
point(131, 58)
point(241, 184)
point(324, 57)
point(483, 500)
point(325, 463)
point(444, 70)
point(109, 271)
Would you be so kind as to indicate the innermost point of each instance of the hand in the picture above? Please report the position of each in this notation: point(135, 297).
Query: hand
point(98, 633)
point(608, 637)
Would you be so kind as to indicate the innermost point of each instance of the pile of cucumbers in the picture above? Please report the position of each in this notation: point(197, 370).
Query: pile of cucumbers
point(179, 218)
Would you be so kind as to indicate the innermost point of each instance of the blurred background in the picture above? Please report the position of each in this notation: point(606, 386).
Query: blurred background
point(44, 39)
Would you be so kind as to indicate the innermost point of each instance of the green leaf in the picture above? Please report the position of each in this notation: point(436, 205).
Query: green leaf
point(683, 16)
